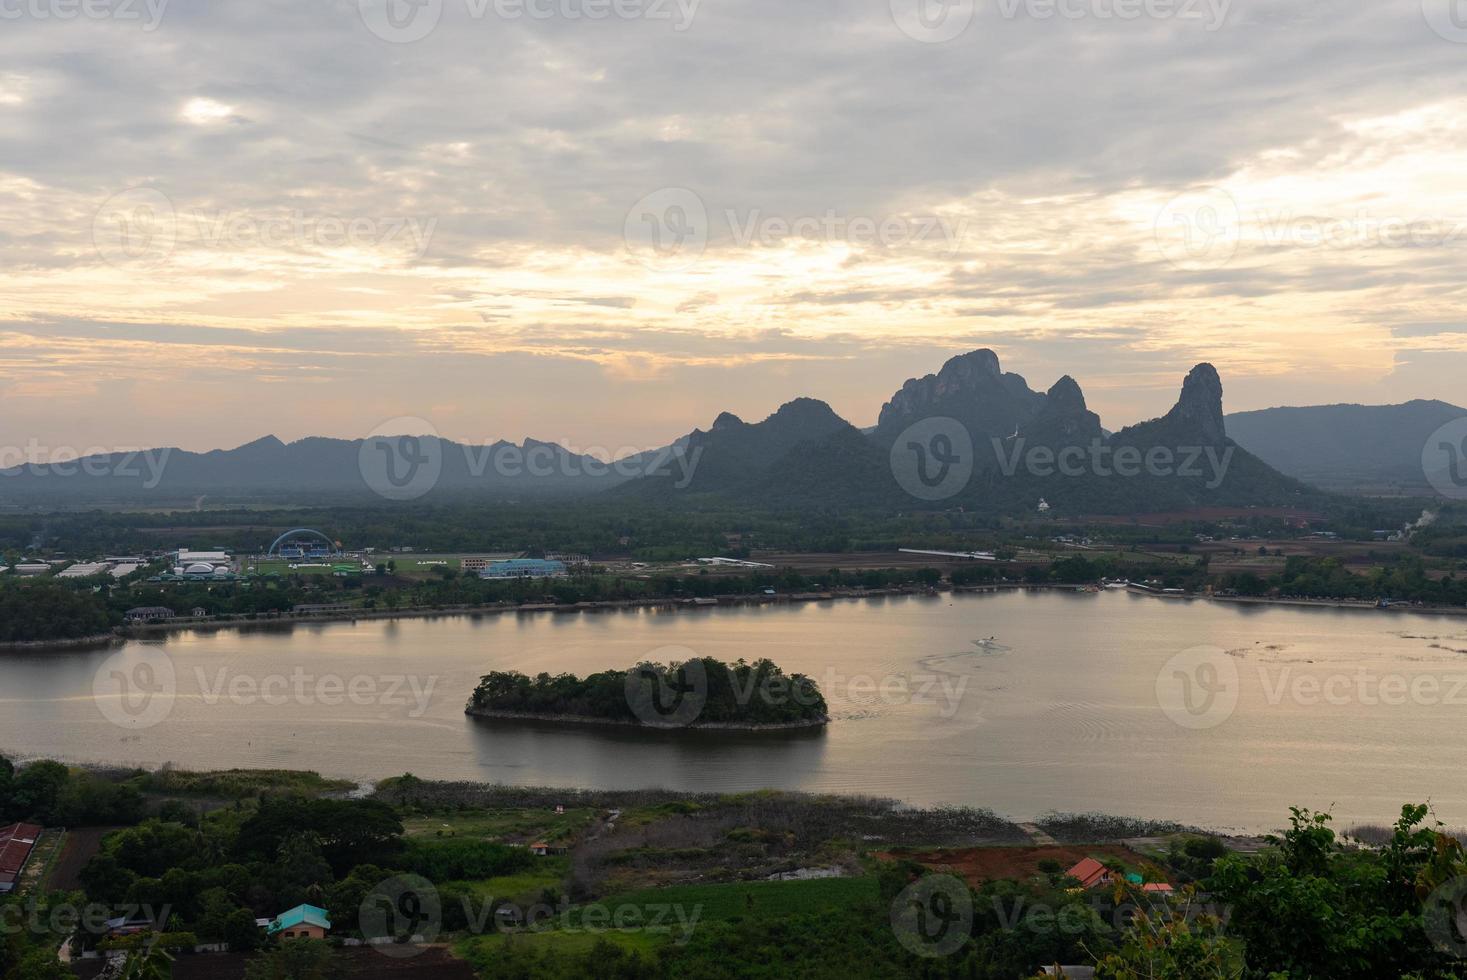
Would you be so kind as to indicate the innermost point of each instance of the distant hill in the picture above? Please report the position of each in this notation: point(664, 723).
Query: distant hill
point(394, 467)
point(1350, 448)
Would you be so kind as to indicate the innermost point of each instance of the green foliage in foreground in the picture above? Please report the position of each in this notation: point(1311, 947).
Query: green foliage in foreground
point(698, 691)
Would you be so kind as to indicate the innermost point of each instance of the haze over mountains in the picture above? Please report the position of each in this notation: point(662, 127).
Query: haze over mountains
point(1011, 445)
point(1350, 448)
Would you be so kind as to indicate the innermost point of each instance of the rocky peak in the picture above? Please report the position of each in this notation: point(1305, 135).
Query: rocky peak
point(1200, 404)
point(726, 420)
point(1065, 396)
point(1063, 420)
point(971, 388)
point(804, 410)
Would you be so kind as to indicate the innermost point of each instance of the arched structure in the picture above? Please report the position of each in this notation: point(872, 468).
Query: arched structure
point(300, 532)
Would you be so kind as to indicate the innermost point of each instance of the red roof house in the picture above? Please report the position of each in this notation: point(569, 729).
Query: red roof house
point(1090, 873)
point(16, 843)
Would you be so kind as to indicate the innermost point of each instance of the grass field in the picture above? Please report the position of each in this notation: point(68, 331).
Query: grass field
point(43, 859)
point(405, 566)
point(505, 826)
point(656, 916)
point(741, 898)
point(526, 886)
point(485, 951)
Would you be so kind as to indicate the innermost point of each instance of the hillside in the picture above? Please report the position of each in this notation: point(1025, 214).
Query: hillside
point(1349, 448)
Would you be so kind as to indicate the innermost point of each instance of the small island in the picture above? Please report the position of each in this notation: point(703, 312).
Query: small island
point(700, 694)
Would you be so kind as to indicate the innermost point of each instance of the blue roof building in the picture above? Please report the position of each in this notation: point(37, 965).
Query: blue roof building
point(301, 922)
point(523, 568)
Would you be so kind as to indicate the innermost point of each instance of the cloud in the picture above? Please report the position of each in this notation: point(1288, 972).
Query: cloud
point(334, 202)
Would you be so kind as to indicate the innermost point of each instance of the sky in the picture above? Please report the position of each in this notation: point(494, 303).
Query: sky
point(603, 222)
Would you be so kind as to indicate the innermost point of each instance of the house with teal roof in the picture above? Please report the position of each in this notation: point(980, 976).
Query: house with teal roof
point(301, 922)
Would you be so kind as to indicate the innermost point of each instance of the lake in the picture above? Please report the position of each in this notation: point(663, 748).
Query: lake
point(1210, 713)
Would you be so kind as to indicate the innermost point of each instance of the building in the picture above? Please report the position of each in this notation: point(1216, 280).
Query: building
point(318, 608)
point(32, 568)
point(301, 922)
point(85, 569)
point(523, 568)
point(187, 557)
point(477, 563)
point(16, 843)
point(148, 614)
point(125, 926)
point(1090, 873)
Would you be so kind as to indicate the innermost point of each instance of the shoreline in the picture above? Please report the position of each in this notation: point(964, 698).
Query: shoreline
point(159, 631)
point(74, 643)
point(1361, 605)
point(748, 728)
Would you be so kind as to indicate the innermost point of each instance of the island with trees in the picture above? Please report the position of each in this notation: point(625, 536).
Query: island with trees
point(700, 693)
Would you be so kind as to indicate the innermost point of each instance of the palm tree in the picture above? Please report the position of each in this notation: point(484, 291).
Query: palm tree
point(151, 962)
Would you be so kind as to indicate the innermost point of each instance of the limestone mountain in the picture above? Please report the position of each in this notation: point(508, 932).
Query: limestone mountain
point(971, 388)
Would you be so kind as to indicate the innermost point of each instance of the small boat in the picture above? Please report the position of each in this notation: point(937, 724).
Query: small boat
point(987, 644)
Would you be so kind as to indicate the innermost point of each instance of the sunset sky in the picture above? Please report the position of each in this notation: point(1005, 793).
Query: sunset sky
point(228, 218)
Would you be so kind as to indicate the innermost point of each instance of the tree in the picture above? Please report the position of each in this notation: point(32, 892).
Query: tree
point(149, 963)
point(240, 931)
point(295, 959)
point(35, 788)
point(1168, 940)
point(40, 964)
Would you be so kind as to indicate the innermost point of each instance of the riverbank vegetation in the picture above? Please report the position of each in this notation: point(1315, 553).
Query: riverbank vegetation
point(634, 549)
point(652, 885)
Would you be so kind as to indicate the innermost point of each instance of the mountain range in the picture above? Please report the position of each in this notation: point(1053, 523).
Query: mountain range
point(971, 435)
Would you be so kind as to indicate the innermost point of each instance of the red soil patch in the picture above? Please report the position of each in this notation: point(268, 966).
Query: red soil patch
point(80, 847)
point(977, 865)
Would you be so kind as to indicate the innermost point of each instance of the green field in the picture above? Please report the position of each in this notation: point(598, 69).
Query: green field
point(504, 826)
point(742, 898)
point(485, 952)
point(524, 887)
point(406, 566)
point(675, 911)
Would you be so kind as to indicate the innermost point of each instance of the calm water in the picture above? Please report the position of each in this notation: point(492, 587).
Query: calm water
point(1358, 709)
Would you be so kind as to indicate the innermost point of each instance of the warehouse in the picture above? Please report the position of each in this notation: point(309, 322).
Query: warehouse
point(16, 843)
